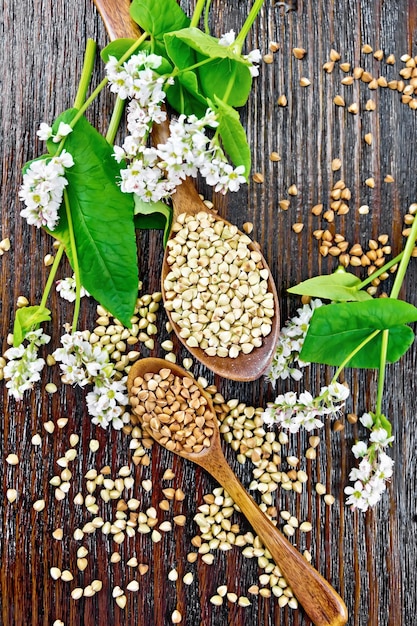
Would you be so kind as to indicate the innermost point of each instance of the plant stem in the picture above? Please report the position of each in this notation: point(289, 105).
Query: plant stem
point(248, 23)
point(352, 354)
point(115, 120)
point(399, 279)
point(86, 73)
point(177, 72)
point(381, 270)
point(51, 276)
point(206, 17)
point(199, 7)
point(408, 249)
point(381, 371)
point(89, 101)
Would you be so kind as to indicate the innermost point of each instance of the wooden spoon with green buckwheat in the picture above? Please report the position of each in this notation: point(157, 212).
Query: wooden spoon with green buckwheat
point(192, 432)
point(254, 353)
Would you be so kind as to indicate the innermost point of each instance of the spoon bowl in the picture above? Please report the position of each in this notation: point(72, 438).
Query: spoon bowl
point(245, 367)
point(320, 601)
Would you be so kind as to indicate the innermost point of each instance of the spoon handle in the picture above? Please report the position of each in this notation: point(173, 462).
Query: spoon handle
point(320, 601)
point(117, 20)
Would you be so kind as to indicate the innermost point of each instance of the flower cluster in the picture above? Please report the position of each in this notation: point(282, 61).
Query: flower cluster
point(154, 173)
point(286, 362)
point(42, 189)
point(375, 468)
point(137, 79)
point(82, 364)
point(291, 411)
point(24, 366)
point(66, 288)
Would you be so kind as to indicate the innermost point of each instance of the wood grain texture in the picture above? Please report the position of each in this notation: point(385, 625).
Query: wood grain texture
point(369, 558)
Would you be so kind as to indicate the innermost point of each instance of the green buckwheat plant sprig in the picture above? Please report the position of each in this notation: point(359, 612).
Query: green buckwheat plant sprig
point(354, 330)
point(91, 195)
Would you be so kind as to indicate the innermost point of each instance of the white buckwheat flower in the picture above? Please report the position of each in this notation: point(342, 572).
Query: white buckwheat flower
point(45, 132)
point(154, 173)
point(63, 131)
point(105, 403)
point(137, 79)
point(254, 57)
point(380, 437)
point(84, 364)
point(81, 361)
point(286, 362)
point(24, 366)
point(227, 39)
point(375, 468)
point(292, 412)
point(66, 288)
point(43, 188)
point(230, 178)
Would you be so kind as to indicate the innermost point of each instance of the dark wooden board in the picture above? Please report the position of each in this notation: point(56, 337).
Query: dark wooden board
point(369, 558)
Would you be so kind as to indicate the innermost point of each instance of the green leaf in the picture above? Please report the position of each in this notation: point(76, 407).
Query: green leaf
point(220, 65)
point(336, 330)
point(153, 215)
point(184, 95)
point(28, 318)
point(158, 18)
point(233, 135)
point(230, 71)
point(103, 222)
point(205, 44)
point(340, 286)
point(116, 48)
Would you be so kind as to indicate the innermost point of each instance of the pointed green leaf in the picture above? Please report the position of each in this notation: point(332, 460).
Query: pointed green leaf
point(116, 48)
point(234, 71)
point(233, 135)
point(27, 318)
point(340, 286)
point(336, 330)
point(184, 95)
point(205, 45)
point(220, 65)
point(103, 223)
point(158, 18)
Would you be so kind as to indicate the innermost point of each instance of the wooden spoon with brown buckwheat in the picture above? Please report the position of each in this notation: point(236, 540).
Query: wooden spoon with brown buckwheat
point(254, 354)
point(185, 422)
